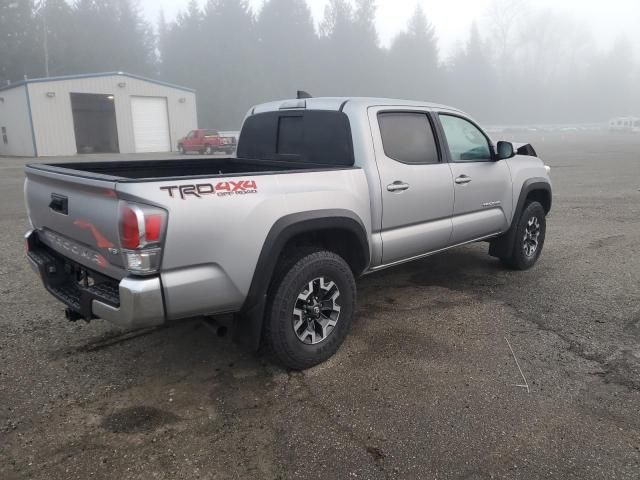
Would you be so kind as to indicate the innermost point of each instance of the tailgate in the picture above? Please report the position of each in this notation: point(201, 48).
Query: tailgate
point(77, 217)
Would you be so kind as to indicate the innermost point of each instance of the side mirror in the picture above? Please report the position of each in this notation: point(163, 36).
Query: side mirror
point(505, 150)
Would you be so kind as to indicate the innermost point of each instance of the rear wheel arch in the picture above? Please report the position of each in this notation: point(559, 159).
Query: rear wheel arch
point(339, 231)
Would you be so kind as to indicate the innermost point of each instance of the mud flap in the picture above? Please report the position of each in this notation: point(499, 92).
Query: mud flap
point(502, 247)
point(247, 325)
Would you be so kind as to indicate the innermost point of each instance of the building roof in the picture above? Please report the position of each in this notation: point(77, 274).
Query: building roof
point(92, 75)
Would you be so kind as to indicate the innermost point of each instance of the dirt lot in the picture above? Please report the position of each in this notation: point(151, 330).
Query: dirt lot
point(424, 387)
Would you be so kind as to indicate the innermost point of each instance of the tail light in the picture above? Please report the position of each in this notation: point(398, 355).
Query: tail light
point(142, 230)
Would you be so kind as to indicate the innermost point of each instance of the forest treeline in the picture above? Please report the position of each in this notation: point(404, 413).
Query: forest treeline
point(517, 64)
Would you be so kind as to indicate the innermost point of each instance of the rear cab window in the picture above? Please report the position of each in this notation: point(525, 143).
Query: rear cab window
point(319, 137)
point(407, 137)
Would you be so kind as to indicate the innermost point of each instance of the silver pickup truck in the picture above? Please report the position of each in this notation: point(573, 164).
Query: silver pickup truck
point(323, 190)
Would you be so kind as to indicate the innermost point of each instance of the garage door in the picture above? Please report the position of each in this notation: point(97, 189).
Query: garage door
point(150, 124)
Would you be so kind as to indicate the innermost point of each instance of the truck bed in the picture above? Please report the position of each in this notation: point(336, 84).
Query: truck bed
point(150, 170)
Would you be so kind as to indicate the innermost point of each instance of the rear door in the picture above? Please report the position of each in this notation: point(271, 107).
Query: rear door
point(482, 186)
point(150, 124)
point(417, 187)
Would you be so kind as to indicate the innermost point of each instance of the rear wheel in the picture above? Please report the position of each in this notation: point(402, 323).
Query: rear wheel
point(181, 149)
point(208, 150)
point(310, 309)
point(529, 238)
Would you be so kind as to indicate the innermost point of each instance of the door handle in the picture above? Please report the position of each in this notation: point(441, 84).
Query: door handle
point(397, 186)
point(463, 179)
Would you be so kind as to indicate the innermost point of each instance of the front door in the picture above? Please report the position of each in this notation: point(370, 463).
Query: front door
point(482, 186)
point(417, 187)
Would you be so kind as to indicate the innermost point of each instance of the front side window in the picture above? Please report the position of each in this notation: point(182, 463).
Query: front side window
point(407, 137)
point(191, 134)
point(466, 142)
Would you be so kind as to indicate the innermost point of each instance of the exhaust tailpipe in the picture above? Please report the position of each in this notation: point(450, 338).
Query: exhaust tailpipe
point(72, 315)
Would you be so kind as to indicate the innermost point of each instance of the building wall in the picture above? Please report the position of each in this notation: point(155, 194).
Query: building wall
point(14, 115)
point(53, 117)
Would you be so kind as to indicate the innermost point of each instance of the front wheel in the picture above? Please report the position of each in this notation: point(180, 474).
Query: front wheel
point(529, 238)
point(310, 309)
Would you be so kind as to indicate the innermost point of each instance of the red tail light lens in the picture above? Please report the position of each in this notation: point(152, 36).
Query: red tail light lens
point(141, 226)
point(153, 227)
point(142, 230)
point(129, 228)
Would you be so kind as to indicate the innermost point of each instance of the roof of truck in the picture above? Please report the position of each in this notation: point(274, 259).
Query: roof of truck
point(338, 103)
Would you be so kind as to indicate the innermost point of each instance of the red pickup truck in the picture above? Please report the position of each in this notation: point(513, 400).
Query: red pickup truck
point(207, 142)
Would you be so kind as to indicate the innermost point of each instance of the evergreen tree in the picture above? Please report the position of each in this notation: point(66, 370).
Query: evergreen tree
point(472, 79)
point(229, 65)
point(350, 58)
point(18, 44)
point(367, 56)
point(413, 61)
point(286, 48)
point(55, 38)
point(181, 47)
point(111, 35)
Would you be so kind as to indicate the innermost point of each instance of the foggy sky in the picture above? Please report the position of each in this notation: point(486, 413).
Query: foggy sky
point(606, 19)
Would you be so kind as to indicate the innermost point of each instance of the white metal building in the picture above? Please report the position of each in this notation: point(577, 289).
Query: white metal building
point(98, 113)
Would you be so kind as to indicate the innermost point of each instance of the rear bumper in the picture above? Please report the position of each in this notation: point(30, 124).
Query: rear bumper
point(130, 303)
point(140, 304)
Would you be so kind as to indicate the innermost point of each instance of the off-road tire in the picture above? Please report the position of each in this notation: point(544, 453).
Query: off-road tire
point(301, 267)
point(519, 259)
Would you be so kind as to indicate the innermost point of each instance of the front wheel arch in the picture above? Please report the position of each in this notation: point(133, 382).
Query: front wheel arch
point(534, 189)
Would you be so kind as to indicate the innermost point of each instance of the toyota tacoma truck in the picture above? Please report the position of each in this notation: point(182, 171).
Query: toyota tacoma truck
point(323, 190)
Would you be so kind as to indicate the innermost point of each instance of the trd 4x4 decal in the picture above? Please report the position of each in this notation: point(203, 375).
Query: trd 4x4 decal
point(221, 189)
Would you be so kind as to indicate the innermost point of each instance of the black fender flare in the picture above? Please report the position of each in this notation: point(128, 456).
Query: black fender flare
point(247, 328)
point(502, 246)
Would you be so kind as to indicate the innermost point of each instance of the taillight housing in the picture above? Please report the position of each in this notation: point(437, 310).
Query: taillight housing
point(142, 229)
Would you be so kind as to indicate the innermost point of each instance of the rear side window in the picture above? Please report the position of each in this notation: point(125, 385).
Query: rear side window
point(321, 137)
point(407, 137)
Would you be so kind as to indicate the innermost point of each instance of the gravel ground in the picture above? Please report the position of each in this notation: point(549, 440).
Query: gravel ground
point(425, 386)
